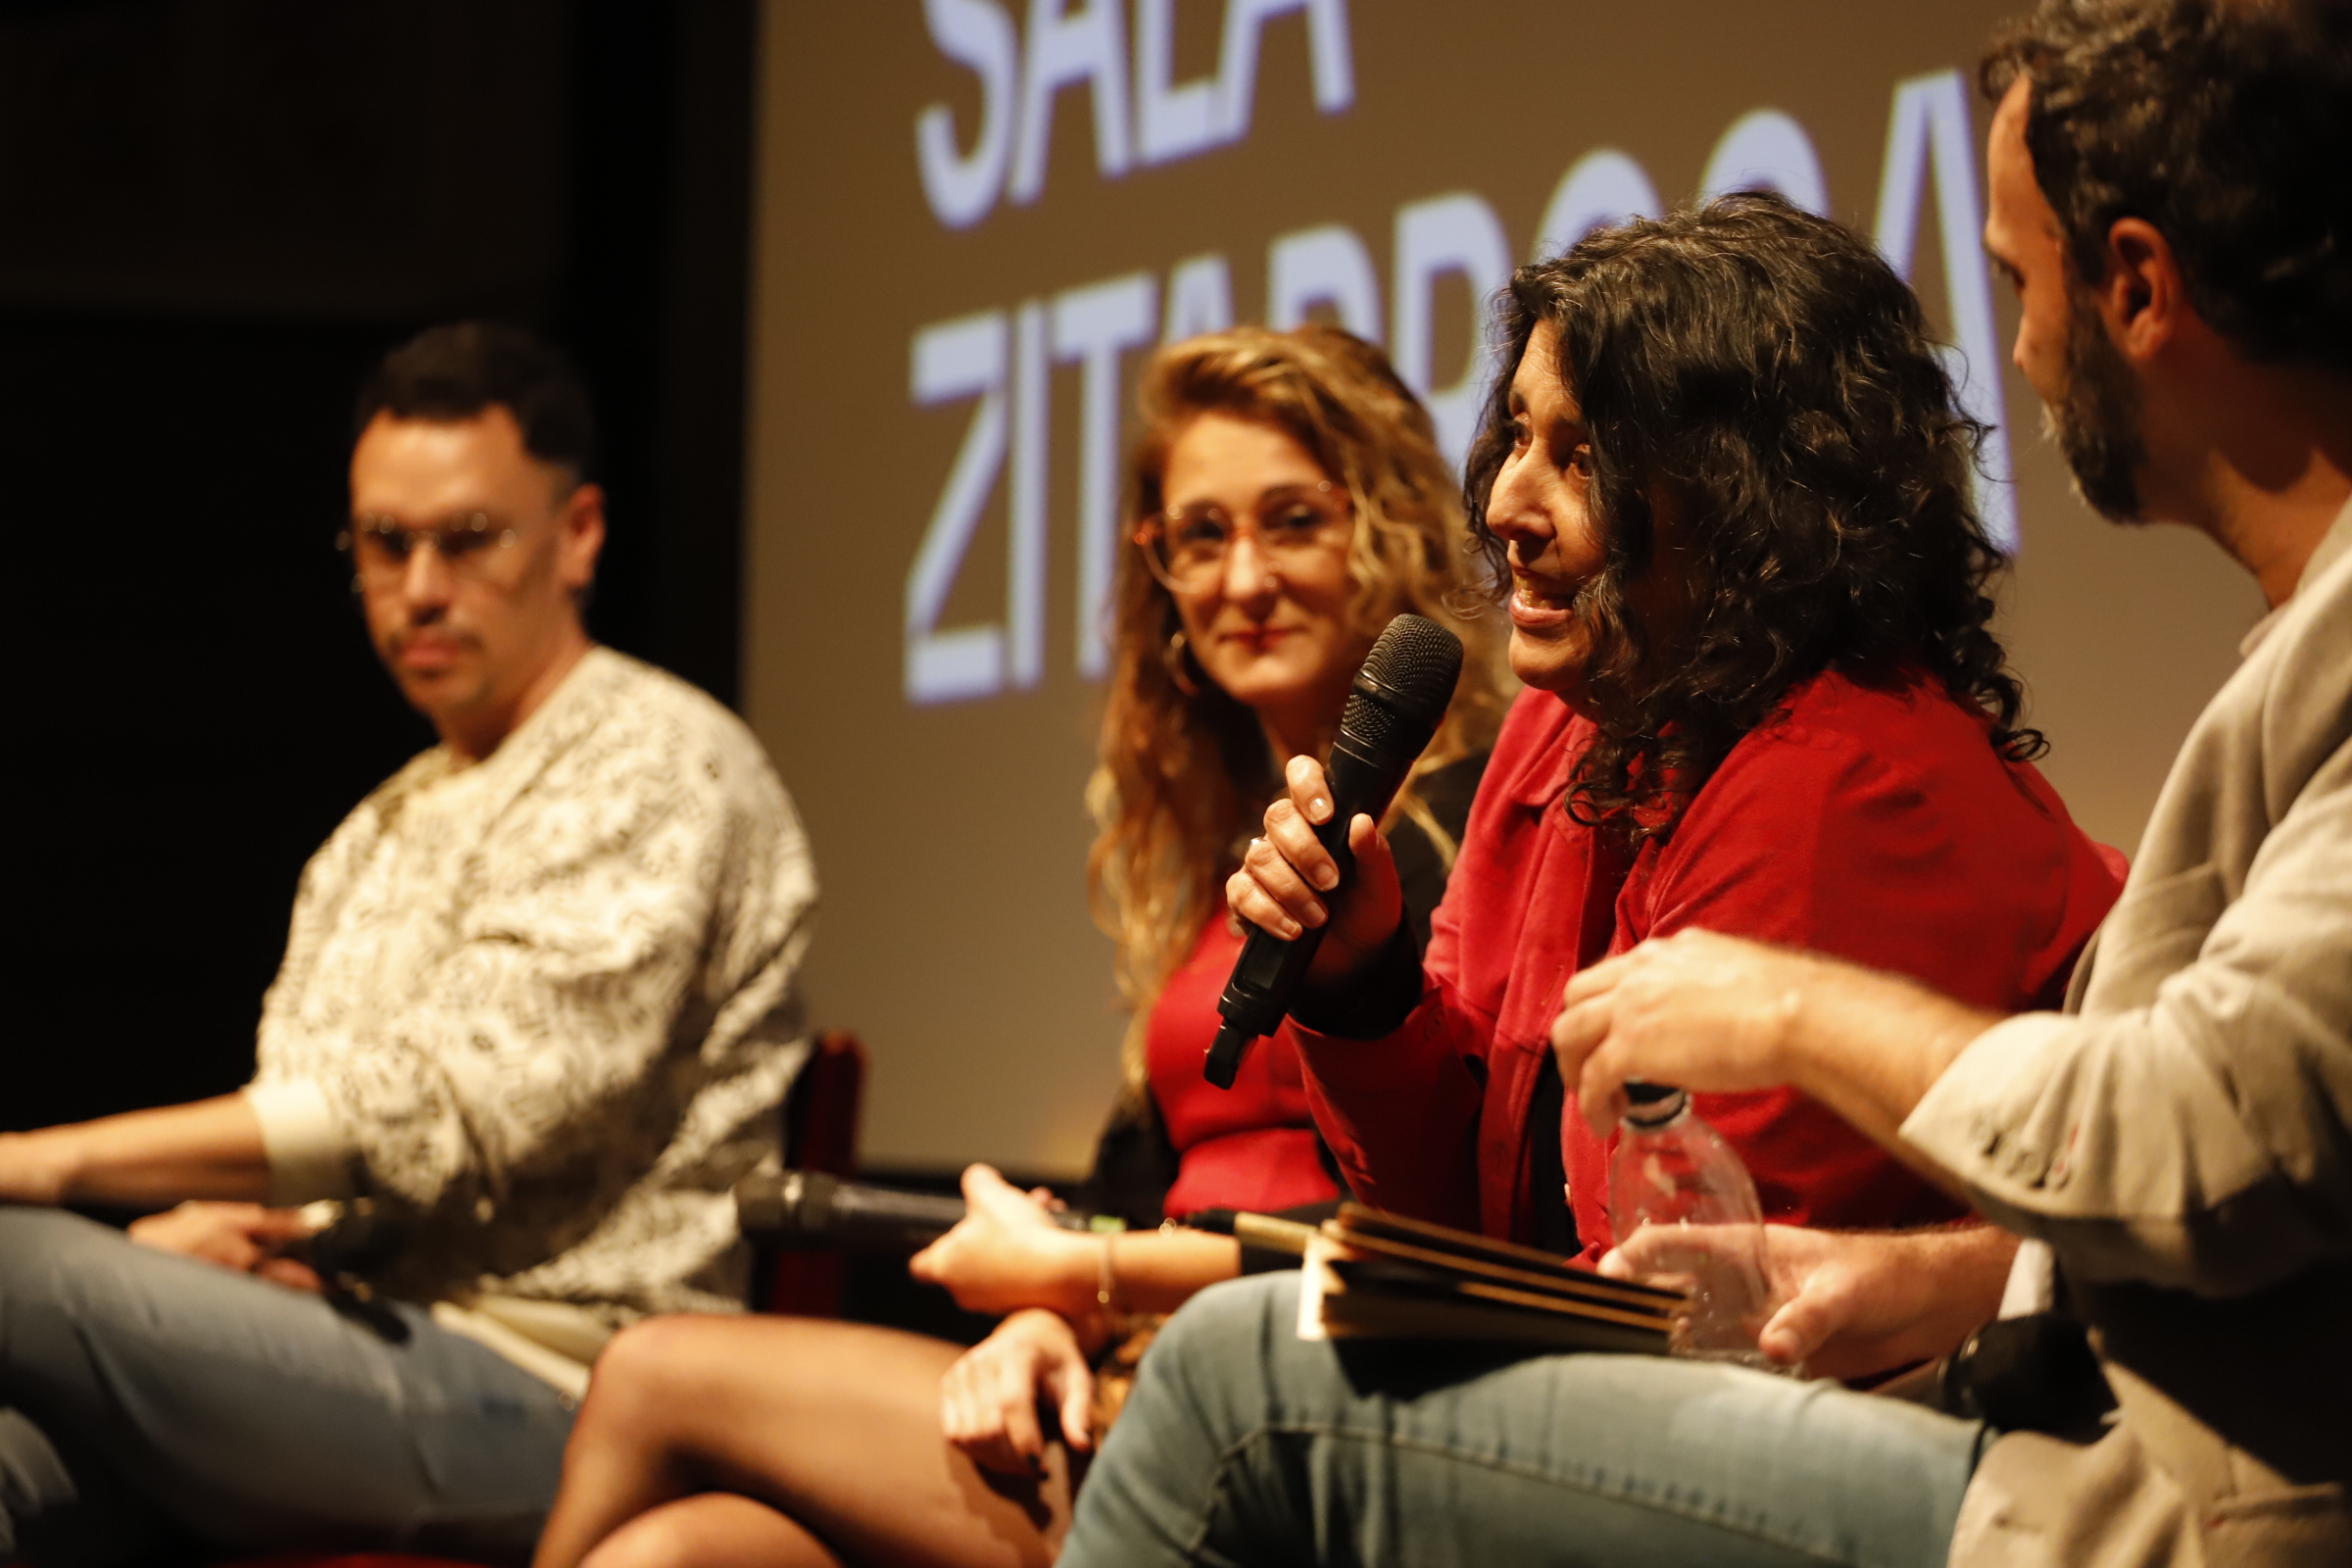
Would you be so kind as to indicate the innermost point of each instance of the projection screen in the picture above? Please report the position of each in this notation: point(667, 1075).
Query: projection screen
point(975, 217)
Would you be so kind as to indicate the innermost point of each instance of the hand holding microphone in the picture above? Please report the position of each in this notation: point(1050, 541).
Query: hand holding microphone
point(811, 1209)
point(1290, 883)
point(1312, 838)
point(1011, 1251)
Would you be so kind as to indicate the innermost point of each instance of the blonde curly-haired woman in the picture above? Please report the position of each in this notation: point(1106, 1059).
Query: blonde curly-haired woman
point(1288, 499)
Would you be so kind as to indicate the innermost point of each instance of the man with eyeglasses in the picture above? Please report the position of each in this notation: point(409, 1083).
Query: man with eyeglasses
point(536, 1013)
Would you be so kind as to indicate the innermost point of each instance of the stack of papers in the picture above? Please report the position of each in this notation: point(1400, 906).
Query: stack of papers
point(1375, 1275)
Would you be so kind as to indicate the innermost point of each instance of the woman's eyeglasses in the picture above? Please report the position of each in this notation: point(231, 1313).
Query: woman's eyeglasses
point(467, 544)
point(1186, 546)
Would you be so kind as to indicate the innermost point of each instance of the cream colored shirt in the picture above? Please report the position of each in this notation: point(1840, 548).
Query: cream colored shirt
point(542, 1008)
point(2180, 1143)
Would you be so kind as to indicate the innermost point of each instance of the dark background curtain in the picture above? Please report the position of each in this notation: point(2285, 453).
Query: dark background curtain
point(214, 216)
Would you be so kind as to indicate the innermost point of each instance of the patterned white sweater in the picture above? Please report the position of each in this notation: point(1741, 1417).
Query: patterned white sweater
point(542, 1008)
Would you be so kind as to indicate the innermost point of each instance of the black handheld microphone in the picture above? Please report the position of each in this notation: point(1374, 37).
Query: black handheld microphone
point(807, 1209)
point(1400, 697)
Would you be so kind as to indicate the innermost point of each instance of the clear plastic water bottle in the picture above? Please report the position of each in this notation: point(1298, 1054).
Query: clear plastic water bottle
point(1671, 1169)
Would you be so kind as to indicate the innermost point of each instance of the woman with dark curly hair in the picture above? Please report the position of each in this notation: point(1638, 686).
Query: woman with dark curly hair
point(1729, 484)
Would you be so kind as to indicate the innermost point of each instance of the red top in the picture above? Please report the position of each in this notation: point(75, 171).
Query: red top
point(1250, 1147)
point(1876, 825)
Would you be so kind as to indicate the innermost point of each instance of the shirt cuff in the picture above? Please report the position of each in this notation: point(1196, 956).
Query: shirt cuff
point(1978, 1119)
point(1378, 1003)
point(309, 1153)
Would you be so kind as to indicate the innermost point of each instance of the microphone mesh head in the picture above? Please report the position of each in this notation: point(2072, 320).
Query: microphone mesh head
point(1414, 667)
point(1370, 722)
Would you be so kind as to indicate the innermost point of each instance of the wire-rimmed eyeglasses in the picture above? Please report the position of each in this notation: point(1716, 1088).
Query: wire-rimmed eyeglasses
point(1185, 547)
point(467, 544)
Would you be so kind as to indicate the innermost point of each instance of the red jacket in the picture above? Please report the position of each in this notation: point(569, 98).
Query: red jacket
point(1876, 825)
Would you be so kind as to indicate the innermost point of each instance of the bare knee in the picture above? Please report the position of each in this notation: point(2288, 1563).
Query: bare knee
point(712, 1529)
point(673, 1378)
point(648, 1541)
point(651, 1367)
point(657, 1350)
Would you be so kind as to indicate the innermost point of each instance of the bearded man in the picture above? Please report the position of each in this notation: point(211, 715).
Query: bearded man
point(2171, 196)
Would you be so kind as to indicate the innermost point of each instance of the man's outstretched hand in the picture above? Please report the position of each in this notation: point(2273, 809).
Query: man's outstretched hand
point(1707, 1011)
point(1695, 1009)
point(246, 1238)
point(1850, 1304)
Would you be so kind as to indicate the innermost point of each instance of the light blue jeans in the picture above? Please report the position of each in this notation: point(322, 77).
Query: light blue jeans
point(1244, 1444)
point(149, 1403)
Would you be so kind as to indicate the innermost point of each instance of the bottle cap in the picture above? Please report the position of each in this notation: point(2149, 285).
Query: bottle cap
point(1649, 1104)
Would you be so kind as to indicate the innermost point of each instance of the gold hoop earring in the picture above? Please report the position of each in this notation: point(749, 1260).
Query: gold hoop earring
point(1174, 658)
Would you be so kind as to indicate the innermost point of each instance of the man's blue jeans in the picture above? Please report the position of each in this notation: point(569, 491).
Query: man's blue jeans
point(148, 1401)
point(1244, 1444)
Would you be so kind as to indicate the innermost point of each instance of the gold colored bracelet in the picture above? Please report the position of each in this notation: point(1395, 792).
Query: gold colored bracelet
point(1107, 1282)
